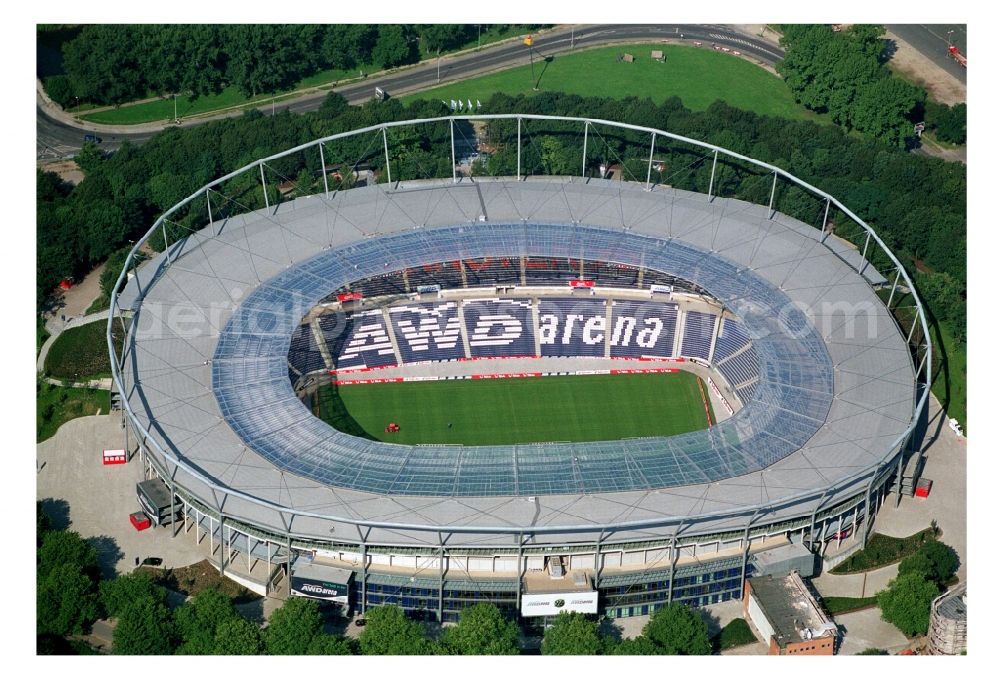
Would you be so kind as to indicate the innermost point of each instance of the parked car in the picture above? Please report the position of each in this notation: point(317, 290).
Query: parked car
point(91, 138)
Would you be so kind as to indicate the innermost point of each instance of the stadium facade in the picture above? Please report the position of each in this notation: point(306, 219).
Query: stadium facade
point(239, 320)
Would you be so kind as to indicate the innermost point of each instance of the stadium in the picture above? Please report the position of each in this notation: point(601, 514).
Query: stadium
point(547, 392)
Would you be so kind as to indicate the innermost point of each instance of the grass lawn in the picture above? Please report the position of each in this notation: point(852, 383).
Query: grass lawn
point(57, 405)
point(100, 304)
point(699, 76)
point(163, 109)
point(882, 550)
point(518, 410)
point(81, 353)
point(41, 334)
point(838, 605)
point(734, 634)
point(949, 385)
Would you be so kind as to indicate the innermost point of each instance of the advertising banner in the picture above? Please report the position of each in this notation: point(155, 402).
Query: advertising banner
point(581, 283)
point(318, 589)
point(344, 297)
point(537, 605)
point(661, 288)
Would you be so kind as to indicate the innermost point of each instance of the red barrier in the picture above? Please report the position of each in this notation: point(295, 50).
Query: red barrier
point(487, 376)
point(115, 457)
point(369, 381)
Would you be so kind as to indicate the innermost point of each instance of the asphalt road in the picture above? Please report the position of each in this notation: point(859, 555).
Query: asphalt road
point(57, 139)
point(931, 40)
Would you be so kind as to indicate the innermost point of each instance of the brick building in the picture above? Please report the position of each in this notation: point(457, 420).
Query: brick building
point(787, 618)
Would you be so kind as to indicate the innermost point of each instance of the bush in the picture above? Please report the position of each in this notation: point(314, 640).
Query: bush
point(906, 603)
point(736, 633)
point(883, 550)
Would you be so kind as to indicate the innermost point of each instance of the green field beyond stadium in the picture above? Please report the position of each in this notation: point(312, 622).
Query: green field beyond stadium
point(518, 410)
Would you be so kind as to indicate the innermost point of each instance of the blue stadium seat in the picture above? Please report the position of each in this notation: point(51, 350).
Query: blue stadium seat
point(499, 328)
point(367, 342)
point(697, 339)
point(642, 328)
point(303, 353)
point(427, 332)
point(571, 327)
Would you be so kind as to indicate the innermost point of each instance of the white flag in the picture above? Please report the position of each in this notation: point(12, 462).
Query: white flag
point(460, 104)
point(453, 104)
point(470, 104)
point(478, 104)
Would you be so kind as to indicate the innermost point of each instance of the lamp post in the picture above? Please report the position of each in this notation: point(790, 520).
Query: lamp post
point(439, 65)
point(528, 41)
point(176, 121)
point(479, 34)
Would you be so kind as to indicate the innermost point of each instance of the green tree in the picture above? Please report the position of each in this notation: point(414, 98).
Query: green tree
point(389, 632)
point(918, 564)
point(678, 630)
point(948, 123)
point(437, 37)
point(293, 626)
point(237, 636)
point(571, 634)
point(66, 600)
point(126, 589)
point(482, 630)
point(199, 619)
point(640, 645)
point(873, 651)
point(393, 47)
point(906, 603)
point(66, 546)
point(144, 627)
point(942, 557)
point(43, 523)
point(328, 644)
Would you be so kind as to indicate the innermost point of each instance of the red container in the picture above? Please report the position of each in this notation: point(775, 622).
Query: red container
point(139, 520)
point(114, 457)
point(923, 488)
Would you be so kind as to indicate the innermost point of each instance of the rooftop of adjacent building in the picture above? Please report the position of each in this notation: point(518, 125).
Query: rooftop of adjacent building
point(791, 609)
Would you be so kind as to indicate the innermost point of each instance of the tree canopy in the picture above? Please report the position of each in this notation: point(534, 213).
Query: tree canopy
point(934, 561)
point(292, 627)
point(842, 73)
point(389, 632)
point(482, 630)
point(237, 636)
point(906, 603)
point(117, 63)
point(198, 622)
point(145, 627)
point(126, 589)
point(66, 600)
point(678, 630)
point(572, 634)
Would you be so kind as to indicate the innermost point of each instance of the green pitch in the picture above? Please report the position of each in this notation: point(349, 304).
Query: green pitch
point(518, 410)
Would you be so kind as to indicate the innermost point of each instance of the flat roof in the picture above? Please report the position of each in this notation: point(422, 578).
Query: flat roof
point(792, 611)
point(788, 552)
point(543, 583)
point(839, 426)
point(316, 571)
